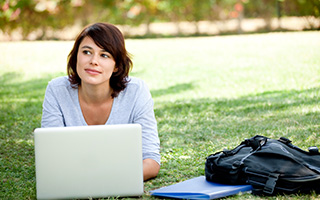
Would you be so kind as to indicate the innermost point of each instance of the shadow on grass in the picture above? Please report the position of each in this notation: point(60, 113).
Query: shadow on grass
point(20, 108)
point(293, 114)
point(21, 103)
point(173, 89)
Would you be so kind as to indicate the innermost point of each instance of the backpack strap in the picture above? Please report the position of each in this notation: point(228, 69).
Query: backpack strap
point(311, 150)
point(256, 142)
point(271, 183)
point(233, 151)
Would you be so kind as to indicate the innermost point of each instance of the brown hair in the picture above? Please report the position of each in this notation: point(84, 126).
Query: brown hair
point(109, 38)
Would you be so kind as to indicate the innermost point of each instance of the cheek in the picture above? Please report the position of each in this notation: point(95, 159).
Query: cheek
point(79, 64)
point(81, 60)
point(112, 65)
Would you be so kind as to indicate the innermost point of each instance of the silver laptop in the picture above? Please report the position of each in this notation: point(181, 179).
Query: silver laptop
point(88, 161)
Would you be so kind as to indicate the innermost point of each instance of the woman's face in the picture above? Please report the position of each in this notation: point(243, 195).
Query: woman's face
point(94, 65)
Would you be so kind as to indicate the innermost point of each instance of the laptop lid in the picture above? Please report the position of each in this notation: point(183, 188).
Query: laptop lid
point(88, 161)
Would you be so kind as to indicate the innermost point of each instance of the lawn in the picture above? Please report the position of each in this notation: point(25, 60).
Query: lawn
point(209, 93)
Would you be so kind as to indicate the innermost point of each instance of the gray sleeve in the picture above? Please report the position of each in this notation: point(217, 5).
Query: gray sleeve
point(144, 115)
point(51, 111)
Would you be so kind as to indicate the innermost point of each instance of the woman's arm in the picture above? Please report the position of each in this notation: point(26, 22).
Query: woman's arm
point(150, 169)
point(143, 114)
point(51, 113)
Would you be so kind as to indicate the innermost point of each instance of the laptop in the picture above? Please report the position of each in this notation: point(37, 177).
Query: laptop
point(88, 161)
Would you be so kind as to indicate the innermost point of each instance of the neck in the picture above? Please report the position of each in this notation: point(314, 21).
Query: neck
point(94, 94)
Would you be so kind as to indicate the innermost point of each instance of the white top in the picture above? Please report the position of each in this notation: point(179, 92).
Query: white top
point(134, 104)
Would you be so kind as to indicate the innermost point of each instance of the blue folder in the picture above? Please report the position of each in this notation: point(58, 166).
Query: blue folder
point(199, 188)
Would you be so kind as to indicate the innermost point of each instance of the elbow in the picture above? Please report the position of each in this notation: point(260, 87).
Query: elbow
point(150, 169)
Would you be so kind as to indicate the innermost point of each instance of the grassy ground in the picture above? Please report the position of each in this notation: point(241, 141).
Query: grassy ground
point(210, 93)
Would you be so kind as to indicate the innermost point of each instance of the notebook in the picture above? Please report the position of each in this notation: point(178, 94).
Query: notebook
point(88, 161)
point(199, 188)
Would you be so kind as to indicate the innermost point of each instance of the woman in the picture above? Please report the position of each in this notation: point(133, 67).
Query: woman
point(98, 91)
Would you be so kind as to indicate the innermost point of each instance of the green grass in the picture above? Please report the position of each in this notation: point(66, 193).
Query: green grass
point(209, 92)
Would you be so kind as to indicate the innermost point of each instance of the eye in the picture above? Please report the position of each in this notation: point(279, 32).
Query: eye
point(105, 55)
point(86, 52)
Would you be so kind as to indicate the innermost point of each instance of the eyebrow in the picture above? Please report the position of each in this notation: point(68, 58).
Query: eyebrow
point(88, 47)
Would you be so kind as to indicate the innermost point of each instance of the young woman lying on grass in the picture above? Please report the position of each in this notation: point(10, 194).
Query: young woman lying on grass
point(99, 91)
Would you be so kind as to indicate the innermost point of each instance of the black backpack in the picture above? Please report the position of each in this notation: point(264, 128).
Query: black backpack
point(270, 166)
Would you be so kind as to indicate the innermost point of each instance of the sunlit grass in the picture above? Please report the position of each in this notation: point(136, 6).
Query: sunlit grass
point(209, 92)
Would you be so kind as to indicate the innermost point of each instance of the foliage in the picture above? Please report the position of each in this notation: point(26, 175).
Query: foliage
point(50, 15)
point(30, 15)
point(209, 93)
point(302, 7)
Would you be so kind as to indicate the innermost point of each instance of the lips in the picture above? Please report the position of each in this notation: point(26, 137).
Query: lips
point(92, 71)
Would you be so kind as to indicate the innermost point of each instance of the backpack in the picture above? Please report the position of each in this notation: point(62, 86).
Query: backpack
point(270, 166)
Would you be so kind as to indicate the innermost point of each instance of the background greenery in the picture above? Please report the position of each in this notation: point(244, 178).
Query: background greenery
point(41, 17)
point(209, 92)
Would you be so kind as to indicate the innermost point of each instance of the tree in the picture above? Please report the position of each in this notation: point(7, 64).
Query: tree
point(29, 16)
point(309, 9)
point(47, 16)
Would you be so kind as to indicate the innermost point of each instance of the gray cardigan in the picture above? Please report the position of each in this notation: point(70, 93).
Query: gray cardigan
point(133, 105)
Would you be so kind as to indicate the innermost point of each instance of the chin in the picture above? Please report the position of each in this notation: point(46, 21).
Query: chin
point(94, 82)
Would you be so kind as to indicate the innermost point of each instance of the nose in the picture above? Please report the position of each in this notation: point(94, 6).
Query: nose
point(94, 60)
